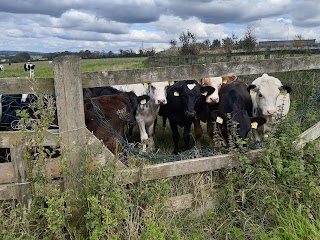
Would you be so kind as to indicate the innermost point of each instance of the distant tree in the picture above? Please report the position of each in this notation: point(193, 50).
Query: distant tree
point(206, 44)
point(228, 44)
point(21, 57)
point(110, 54)
point(235, 41)
point(188, 41)
point(216, 43)
point(249, 42)
point(173, 43)
point(298, 41)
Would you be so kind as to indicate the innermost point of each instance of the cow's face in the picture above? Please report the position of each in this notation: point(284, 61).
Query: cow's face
point(216, 83)
point(241, 120)
point(158, 92)
point(264, 97)
point(135, 101)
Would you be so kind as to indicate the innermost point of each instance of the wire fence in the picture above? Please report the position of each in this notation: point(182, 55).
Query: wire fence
point(305, 99)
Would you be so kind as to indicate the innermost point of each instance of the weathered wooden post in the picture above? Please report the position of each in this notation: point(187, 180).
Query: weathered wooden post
point(21, 174)
point(70, 110)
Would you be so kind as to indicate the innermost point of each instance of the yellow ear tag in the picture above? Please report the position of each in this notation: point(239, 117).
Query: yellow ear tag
point(171, 83)
point(143, 101)
point(219, 120)
point(176, 94)
point(145, 85)
point(254, 125)
point(205, 93)
point(283, 92)
point(251, 92)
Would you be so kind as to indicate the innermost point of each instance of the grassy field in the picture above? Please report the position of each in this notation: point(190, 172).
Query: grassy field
point(44, 69)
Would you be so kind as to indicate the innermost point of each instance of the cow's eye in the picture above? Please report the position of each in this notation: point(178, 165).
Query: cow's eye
point(260, 95)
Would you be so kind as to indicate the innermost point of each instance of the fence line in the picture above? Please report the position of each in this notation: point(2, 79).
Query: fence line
point(67, 85)
point(158, 74)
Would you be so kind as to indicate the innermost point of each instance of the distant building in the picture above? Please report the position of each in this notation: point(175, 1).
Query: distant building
point(289, 43)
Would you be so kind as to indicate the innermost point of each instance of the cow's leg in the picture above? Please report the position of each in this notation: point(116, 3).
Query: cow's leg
point(175, 136)
point(164, 122)
point(143, 132)
point(150, 131)
point(198, 133)
point(186, 136)
point(257, 139)
point(210, 132)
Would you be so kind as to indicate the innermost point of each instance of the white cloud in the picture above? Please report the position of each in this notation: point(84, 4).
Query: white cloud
point(52, 25)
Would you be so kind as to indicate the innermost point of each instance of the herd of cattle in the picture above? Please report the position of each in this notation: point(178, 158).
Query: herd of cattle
point(214, 100)
point(219, 100)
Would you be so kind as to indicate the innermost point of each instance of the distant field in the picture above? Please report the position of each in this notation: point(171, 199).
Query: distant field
point(44, 69)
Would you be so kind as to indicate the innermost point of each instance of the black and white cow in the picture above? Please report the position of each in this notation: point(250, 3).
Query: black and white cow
point(1, 68)
point(180, 109)
point(29, 67)
point(235, 100)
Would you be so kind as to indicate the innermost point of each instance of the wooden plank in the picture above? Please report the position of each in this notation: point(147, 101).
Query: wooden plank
point(7, 173)
point(69, 100)
point(156, 74)
point(308, 135)
point(99, 152)
point(9, 138)
point(8, 191)
point(70, 111)
point(21, 173)
point(26, 85)
point(171, 169)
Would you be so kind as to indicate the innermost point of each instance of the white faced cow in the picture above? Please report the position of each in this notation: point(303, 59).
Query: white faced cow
point(147, 113)
point(270, 99)
point(1, 68)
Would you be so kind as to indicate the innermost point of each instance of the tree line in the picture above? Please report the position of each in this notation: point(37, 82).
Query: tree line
point(190, 46)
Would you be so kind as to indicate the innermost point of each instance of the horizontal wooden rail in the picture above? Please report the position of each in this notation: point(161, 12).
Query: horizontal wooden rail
point(26, 85)
point(105, 78)
point(157, 74)
point(191, 166)
point(309, 135)
point(8, 139)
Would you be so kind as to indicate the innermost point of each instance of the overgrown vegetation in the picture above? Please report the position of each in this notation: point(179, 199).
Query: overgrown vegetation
point(275, 197)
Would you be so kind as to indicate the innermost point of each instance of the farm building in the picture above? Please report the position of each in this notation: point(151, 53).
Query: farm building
point(288, 43)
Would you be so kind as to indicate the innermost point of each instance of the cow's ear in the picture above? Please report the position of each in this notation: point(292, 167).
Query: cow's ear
point(229, 79)
point(146, 85)
point(285, 89)
point(171, 83)
point(207, 90)
point(143, 99)
point(252, 89)
point(218, 117)
point(257, 122)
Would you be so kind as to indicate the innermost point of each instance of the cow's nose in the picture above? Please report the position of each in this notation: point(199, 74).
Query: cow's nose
point(162, 101)
point(216, 100)
point(191, 113)
point(271, 111)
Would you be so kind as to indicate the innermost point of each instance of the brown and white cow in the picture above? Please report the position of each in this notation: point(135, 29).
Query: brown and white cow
point(118, 109)
point(270, 99)
point(216, 83)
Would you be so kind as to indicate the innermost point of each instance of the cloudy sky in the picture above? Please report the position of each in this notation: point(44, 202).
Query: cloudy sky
point(110, 25)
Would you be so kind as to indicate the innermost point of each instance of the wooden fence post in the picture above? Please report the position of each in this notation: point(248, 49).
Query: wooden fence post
point(21, 169)
point(70, 110)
